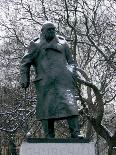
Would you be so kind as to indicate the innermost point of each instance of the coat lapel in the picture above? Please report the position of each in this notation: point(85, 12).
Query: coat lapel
point(54, 44)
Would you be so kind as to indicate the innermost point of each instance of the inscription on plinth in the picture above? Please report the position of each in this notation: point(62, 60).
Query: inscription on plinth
point(57, 149)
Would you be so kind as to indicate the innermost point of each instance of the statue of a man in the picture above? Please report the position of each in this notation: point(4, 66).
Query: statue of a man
point(52, 60)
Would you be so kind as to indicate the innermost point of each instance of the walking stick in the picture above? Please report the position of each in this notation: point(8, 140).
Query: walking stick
point(25, 108)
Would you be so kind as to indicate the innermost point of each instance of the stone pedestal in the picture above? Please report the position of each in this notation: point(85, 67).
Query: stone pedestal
point(57, 147)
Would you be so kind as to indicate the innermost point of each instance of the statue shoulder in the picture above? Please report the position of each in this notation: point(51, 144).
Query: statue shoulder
point(33, 45)
point(35, 42)
point(61, 39)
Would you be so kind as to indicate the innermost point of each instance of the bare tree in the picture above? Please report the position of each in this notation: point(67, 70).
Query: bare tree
point(89, 27)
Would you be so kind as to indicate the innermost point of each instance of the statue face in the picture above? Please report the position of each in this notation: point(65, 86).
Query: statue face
point(49, 33)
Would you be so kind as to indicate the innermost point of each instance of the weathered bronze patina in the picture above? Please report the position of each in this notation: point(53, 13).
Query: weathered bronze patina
point(52, 61)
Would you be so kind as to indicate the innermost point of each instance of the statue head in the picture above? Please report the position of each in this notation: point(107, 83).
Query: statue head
point(48, 31)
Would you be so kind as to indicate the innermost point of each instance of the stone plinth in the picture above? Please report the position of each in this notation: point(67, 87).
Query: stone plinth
point(57, 147)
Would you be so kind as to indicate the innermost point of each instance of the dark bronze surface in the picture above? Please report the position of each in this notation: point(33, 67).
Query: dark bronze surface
point(60, 140)
point(52, 61)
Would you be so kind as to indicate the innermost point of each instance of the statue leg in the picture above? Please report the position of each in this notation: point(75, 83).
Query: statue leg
point(74, 126)
point(48, 127)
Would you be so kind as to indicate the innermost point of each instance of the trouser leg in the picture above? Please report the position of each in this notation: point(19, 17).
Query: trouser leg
point(73, 126)
point(48, 127)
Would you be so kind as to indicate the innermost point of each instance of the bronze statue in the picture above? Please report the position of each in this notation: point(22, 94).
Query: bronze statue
point(52, 61)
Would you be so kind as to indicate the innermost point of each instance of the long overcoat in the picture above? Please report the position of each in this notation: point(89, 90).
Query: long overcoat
point(54, 82)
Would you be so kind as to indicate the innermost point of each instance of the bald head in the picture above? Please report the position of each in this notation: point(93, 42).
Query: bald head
point(48, 31)
point(47, 25)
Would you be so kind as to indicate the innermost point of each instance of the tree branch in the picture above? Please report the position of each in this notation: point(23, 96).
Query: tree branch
point(97, 48)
